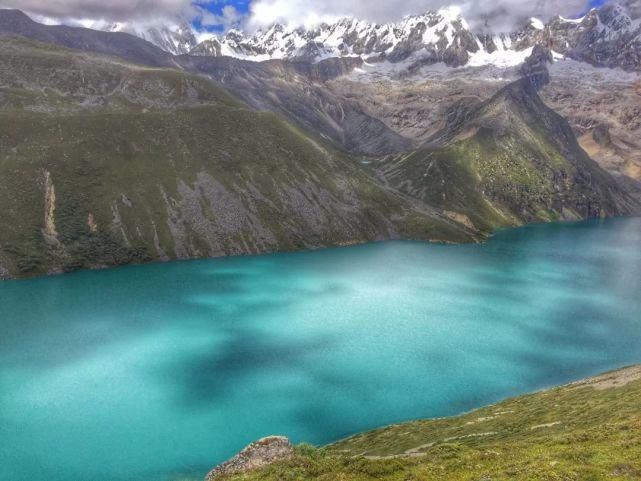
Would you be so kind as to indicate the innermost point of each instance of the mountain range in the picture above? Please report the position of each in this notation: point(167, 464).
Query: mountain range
point(115, 150)
point(609, 36)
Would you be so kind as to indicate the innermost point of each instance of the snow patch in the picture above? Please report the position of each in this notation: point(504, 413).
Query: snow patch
point(499, 58)
point(536, 23)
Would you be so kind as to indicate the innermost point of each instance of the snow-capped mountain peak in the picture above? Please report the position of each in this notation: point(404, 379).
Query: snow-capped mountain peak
point(609, 36)
point(441, 31)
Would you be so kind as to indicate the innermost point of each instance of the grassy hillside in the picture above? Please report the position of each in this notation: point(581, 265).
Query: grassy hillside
point(105, 163)
point(590, 430)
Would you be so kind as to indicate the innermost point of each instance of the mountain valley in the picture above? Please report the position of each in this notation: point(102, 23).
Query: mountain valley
point(135, 154)
point(433, 140)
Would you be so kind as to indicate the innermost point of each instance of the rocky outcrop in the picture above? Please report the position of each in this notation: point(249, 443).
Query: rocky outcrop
point(443, 36)
point(601, 135)
point(607, 37)
point(260, 453)
point(327, 69)
point(49, 228)
point(294, 89)
point(535, 68)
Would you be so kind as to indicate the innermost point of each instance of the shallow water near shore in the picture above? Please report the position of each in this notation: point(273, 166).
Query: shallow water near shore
point(152, 372)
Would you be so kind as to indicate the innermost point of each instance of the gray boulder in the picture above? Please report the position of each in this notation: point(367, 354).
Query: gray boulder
point(260, 453)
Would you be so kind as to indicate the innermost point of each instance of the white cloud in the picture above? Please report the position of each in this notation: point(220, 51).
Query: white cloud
point(228, 17)
point(634, 7)
point(114, 10)
point(495, 14)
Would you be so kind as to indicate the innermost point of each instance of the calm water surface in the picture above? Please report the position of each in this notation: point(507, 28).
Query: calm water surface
point(161, 371)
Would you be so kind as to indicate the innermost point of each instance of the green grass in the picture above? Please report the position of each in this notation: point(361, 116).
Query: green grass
point(575, 432)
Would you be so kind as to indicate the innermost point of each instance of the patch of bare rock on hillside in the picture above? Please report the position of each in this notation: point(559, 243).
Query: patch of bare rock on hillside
point(260, 453)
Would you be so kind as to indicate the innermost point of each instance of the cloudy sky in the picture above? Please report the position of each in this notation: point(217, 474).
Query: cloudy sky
point(221, 14)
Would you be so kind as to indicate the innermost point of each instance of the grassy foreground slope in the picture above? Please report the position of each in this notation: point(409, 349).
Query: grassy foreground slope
point(105, 163)
point(590, 430)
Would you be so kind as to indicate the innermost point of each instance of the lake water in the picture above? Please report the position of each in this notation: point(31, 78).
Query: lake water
point(159, 372)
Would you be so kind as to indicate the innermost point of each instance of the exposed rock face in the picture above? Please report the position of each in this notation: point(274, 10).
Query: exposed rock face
point(260, 453)
point(508, 160)
point(444, 36)
point(608, 37)
point(49, 229)
point(535, 68)
point(294, 89)
point(604, 109)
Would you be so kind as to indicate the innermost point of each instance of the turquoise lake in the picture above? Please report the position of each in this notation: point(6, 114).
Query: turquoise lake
point(159, 372)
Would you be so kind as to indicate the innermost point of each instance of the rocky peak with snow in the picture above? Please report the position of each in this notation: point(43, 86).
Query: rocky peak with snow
point(444, 35)
point(606, 37)
point(609, 36)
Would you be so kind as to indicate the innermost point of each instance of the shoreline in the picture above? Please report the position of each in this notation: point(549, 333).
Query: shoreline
point(617, 377)
point(586, 429)
point(305, 250)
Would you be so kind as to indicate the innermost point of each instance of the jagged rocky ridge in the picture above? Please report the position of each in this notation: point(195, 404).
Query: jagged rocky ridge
point(356, 114)
point(507, 160)
point(609, 36)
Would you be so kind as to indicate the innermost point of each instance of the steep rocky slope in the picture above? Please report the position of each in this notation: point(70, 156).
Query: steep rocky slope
point(586, 430)
point(604, 108)
point(296, 90)
point(106, 163)
point(506, 161)
point(413, 101)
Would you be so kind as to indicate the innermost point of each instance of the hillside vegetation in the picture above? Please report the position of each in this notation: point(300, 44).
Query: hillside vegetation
point(507, 161)
point(105, 163)
point(590, 430)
